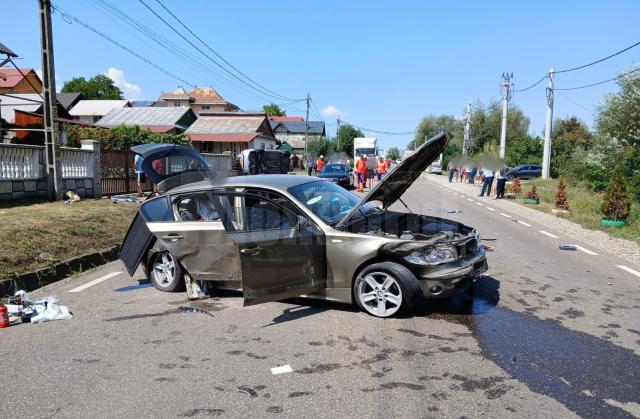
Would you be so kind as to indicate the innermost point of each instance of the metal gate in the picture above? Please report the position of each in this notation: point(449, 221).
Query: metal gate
point(118, 174)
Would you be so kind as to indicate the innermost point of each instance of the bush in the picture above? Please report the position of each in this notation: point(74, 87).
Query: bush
point(516, 187)
point(616, 205)
point(532, 193)
point(119, 138)
point(561, 195)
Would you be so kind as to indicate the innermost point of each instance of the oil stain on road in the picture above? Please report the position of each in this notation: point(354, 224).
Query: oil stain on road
point(579, 370)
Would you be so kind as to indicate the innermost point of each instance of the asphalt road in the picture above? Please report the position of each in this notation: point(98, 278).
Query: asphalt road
point(550, 333)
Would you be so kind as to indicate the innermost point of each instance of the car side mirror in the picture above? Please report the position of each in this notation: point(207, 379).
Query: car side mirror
point(302, 222)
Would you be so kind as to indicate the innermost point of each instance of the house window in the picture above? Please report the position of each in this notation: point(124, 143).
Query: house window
point(176, 103)
point(205, 107)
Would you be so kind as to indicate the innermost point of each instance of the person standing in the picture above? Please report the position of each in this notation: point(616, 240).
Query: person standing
point(309, 163)
point(140, 177)
point(451, 169)
point(381, 168)
point(319, 164)
point(500, 183)
point(361, 172)
point(488, 181)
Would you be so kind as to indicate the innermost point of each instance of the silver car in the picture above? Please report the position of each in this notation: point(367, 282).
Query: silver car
point(281, 236)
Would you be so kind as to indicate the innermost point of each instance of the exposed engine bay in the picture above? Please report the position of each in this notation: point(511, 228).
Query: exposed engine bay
point(418, 230)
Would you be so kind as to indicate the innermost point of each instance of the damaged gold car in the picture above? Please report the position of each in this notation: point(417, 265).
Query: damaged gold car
point(281, 236)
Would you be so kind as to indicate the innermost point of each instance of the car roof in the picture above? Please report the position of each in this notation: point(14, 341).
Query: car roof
point(253, 181)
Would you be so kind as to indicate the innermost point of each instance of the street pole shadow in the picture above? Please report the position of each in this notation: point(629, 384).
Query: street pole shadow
point(306, 308)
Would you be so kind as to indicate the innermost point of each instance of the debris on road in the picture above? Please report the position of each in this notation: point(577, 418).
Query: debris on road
point(281, 370)
point(568, 247)
point(487, 239)
point(128, 199)
point(450, 210)
point(248, 390)
point(487, 247)
point(195, 310)
point(44, 309)
point(71, 197)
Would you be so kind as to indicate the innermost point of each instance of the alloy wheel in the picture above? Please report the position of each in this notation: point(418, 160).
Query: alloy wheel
point(380, 294)
point(164, 270)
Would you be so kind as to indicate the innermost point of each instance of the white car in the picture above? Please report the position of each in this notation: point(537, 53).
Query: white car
point(435, 168)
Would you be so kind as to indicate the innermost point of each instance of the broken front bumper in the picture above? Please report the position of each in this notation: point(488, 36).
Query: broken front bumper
point(452, 278)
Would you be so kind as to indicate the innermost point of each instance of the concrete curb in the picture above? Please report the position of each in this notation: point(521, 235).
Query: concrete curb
point(31, 281)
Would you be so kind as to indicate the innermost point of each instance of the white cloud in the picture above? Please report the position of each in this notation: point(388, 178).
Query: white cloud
point(331, 112)
point(130, 91)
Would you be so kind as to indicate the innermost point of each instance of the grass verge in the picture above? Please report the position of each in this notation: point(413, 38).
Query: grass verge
point(585, 207)
point(39, 235)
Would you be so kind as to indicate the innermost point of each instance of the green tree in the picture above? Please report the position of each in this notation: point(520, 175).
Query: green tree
point(97, 87)
point(273, 109)
point(524, 150)
point(319, 145)
point(344, 139)
point(431, 125)
point(568, 136)
point(486, 125)
point(393, 153)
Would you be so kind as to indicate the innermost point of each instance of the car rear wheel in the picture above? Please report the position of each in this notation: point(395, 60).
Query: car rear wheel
point(384, 289)
point(166, 274)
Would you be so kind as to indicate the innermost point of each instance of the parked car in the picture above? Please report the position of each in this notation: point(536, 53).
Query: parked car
point(281, 236)
point(524, 172)
point(338, 173)
point(435, 169)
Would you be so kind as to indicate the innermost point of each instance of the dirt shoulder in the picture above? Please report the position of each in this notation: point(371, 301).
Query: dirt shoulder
point(624, 248)
point(39, 235)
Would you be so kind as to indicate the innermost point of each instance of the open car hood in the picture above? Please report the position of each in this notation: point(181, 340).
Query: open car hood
point(397, 180)
point(171, 165)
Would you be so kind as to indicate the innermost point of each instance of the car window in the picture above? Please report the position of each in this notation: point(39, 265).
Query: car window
point(262, 213)
point(198, 207)
point(335, 168)
point(157, 209)
point(327, 200)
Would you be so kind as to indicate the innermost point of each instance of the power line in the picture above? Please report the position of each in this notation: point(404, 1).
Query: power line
point(377, 131)
point(576, 103)
point(489, 108)
point(68, 16)
point(218, 55)
point(531, 86)
point(600, 82)
point(600, 60)
point(184, 57)
point(264, 92)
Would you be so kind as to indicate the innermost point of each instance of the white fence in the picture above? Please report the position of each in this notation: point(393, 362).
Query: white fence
point(20, 162)
point(25, 162)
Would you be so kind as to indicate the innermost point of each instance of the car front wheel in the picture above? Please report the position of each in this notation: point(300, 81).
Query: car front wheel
point(166, 274)
point(384, 289)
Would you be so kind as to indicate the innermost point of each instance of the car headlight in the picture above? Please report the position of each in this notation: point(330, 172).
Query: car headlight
point(433, 255)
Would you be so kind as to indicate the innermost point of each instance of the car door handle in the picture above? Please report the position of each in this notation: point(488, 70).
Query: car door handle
point(251, 251)
point(172, 237)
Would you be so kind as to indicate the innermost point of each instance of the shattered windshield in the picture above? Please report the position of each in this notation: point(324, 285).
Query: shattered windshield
point(328, 200)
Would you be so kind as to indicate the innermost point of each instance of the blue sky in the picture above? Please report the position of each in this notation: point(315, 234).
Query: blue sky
point(381, 65)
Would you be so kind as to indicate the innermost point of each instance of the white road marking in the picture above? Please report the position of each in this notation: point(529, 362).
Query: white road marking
point(505, 215)
point(524, 224)
point(95, 281)
point(478, 203)
point(470, 200)
point(546, 233)
point(628, 269)
point(587, 251)
point(490, 209)
point(281, 370)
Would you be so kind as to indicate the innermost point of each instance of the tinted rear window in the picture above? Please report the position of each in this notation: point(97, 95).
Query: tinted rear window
point(157, 209)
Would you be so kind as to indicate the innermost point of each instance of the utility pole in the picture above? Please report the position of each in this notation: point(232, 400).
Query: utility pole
point(467, 131)
point(546, 156)
point(338, 131)
point(306, 125)
point(506, 96)
point(53, 166)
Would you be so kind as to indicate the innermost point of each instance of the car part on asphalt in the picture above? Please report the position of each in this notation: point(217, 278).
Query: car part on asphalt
point(248, 390)
point(195, 310)
point(568, 247)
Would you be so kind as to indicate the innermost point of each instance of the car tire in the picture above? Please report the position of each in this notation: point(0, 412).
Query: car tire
point(387, 283)
point(166, 273)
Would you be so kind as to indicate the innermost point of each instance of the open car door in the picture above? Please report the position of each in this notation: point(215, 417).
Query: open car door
point(282, 254)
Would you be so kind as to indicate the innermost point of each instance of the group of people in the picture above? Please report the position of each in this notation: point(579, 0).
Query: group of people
point(480, 176)
point(365, 173)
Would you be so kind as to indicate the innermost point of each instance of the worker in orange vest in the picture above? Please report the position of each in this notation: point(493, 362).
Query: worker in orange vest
point(320, 164)
point(361, 172)
point(381, 168)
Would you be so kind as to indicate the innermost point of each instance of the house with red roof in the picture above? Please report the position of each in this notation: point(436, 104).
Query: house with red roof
point(17, 81)
point(199, 99)
point(231, 132)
